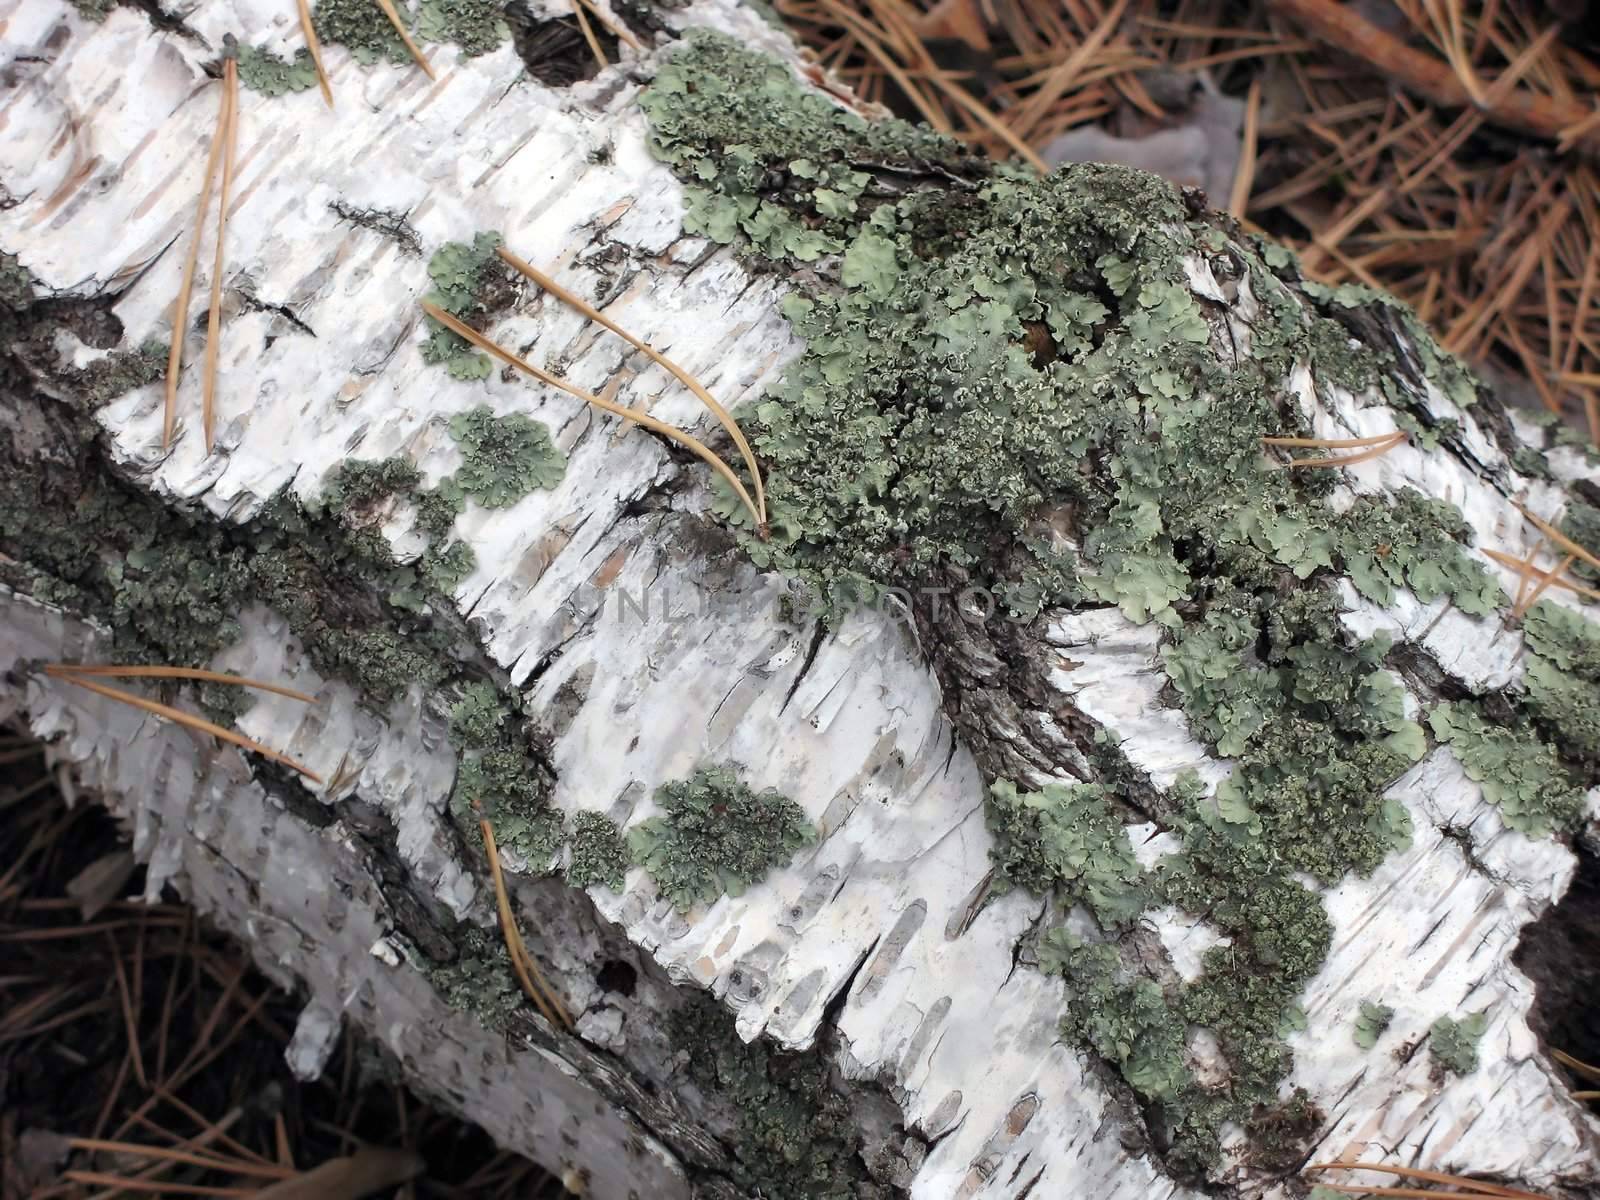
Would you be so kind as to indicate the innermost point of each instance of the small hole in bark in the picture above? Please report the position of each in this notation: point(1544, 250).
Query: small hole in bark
point(1557, 952)
point(617, 976)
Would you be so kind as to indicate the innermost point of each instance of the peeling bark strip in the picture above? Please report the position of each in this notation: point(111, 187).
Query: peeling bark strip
point(1142, 773)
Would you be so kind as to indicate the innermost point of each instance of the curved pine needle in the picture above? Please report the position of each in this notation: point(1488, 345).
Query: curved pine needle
point(1556, 536)
point(113, 671)
point(1405, 1193)
point(723, 416)
point(528, 974)
point(393, 14)
point(1381, 446)
point(1303, 443)
point(688, 442)
point(180, 317)
point(230, 83)
point(1587, 1070)
point(1480, 1186)
point(314, 44)
point(185, 719)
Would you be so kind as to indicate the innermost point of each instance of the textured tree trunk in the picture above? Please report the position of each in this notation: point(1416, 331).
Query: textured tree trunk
point(857, 1023)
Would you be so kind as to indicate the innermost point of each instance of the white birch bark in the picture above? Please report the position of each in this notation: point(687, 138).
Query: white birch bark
point(871, 934)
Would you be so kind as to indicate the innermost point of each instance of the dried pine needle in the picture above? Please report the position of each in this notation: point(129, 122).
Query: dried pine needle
point(614, 27)
point(1477, 1187)
point(588, 35)
point(1556, 536)
point(723, 416)
point(208, 1161)
point(1379, 444)
point(528, 974)
point(688, 442)
point(114, 671)
point(1542, 582)
point(180, 316)
point(393, 14)
point(230, 100)
point(1524, 568)
point(1587, 1070)
point(182, 718)
point(314, 44)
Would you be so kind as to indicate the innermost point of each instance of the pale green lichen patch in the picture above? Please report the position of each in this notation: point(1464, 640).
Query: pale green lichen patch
point(1581, 523)
point(1414, 542)
point(479, 980)
point(477, 26)
point(1008, 381)
point(599, 853)
point(1126, 1017)
point(505, 458)
point(1519, 774)
point(357, 489)
point(796, 1137)
point(362, 27)
point(471, 283)
point(263, 71)
point(95, 10)
point(1371, 1023)
point(716, 836)
point(1067, 838)
point(1453, 1044)
point(772, 160)
point(1563, 679)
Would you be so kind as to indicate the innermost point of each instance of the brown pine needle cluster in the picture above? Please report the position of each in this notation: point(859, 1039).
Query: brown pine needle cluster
point(671, 432)
point(1377, 444)
point(223, 142)
point(527, 971)
point(314, 44)
point(1467, 1189)
point(399, 24)
point(1542, 580)
point(84, 677)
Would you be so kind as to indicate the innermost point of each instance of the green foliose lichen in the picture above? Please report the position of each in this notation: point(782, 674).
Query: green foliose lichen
point(471, 283)
point(796, 1138)
point(479, 980)
point(362, 27)
point(95, 10)
point(1371, 1023)
point(1125, 1017)
point(357, 485)
point(505, 457)
point(1415, 542)
point(1519, 774)
point(478, 718)
point(599, 853)
point(1581, 523)
point(477, 26)
point(1563, 679)
point(716, 836)
point(1067, 838)
point(263, 71)
point(1453, 1044)
point(1010, 381)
